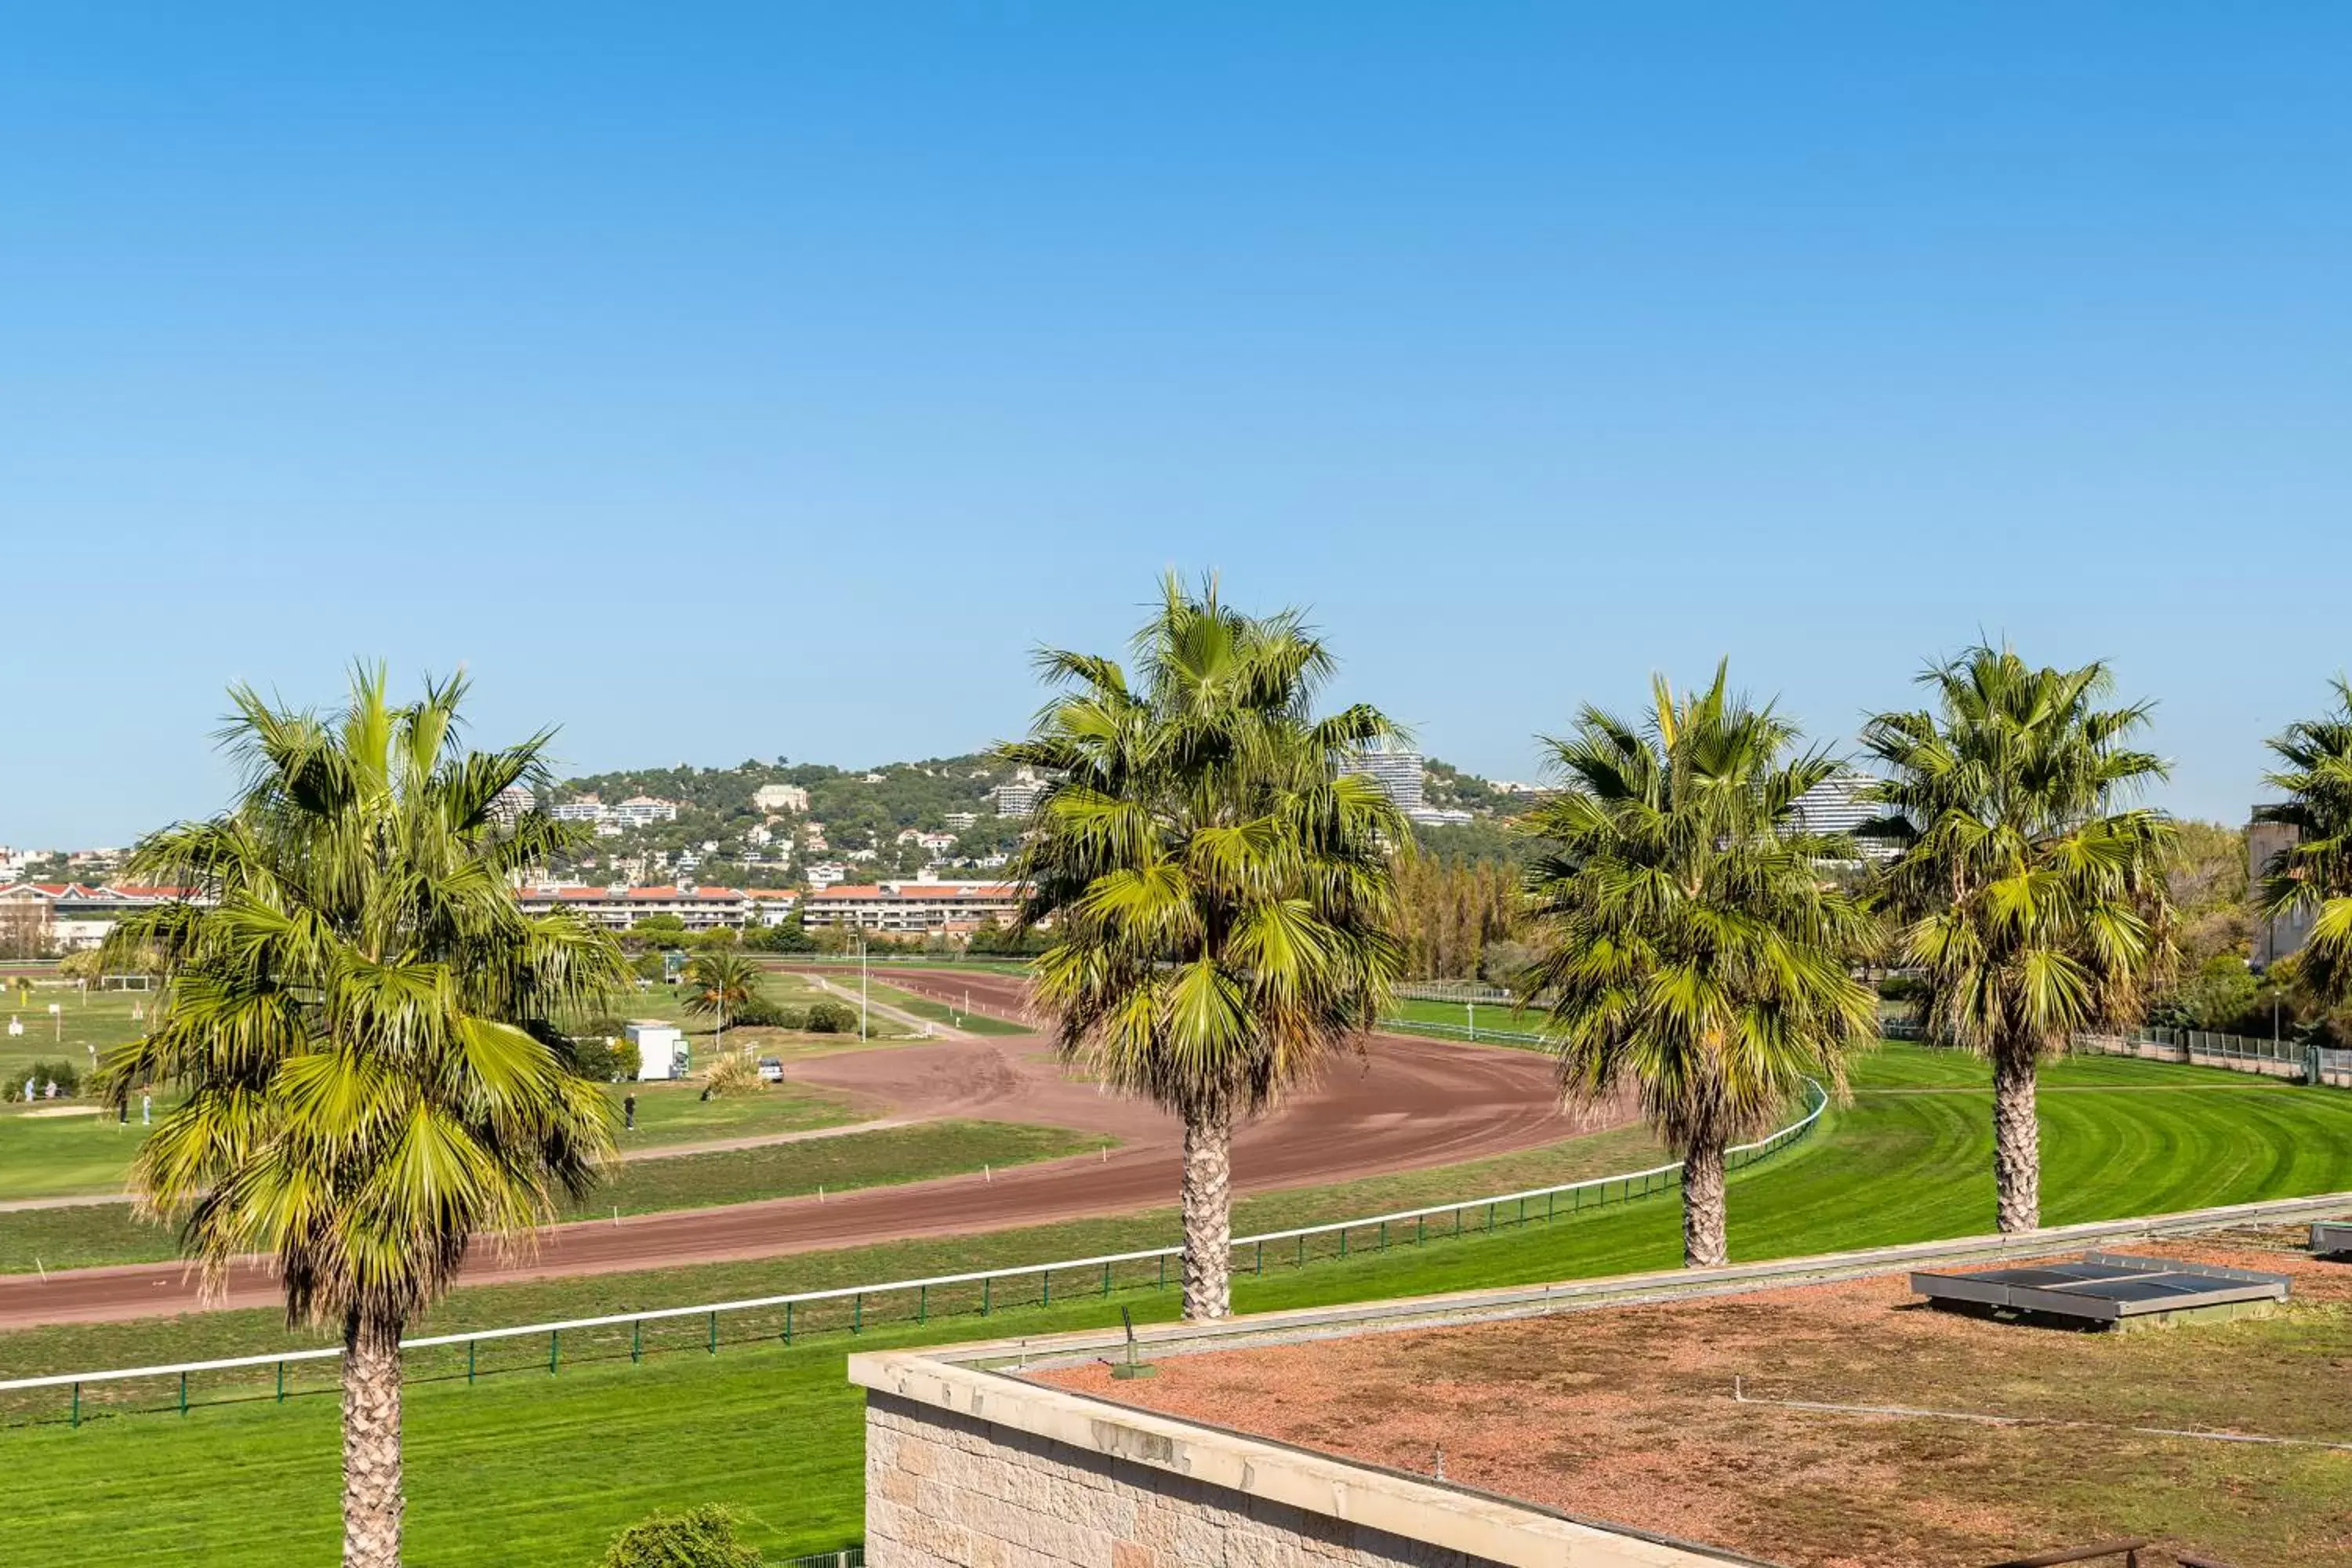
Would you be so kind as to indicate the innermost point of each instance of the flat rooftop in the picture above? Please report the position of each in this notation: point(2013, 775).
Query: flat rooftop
point(1847, 1424)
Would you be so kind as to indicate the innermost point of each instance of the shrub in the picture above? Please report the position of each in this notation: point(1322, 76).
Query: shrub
point(700, 1538)
point(735, 1073)
point(604, 1057)
point(762, 1012)
point(64, 1074)
point(832, 1018)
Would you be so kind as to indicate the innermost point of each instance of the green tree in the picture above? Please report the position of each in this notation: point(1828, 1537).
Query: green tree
point(362, 1022)
point(1686, 944)
point(2313, 877)
point(1223, 893)
point(721, 984)
point(702, 1537)
point(2031, 897)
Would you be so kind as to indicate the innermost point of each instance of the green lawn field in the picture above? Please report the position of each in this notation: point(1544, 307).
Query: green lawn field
point(527, 1467)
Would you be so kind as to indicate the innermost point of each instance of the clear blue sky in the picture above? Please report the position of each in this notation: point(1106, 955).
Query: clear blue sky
point(723, 381)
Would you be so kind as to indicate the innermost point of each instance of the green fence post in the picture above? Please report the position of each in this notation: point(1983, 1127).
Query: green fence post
point(469, 1360)
point(1419, 1228)
point(1163, 1271)
point(184, 1394)
point(922, 1302)
point(77, 1407)
point(1457, 1219)
point(1261, 1258)
point(788, 1323)
point(1047, 1276)
point(1490, 1217)
point(637, 1338)
point(281, 1382)
point(1384, 1235)
point(1105, 1279)
point(714, 1333)
point(858, 1313)
point(1548, 1202)
point(986, 1281)
point(554, 1343)
point(1343, 1241)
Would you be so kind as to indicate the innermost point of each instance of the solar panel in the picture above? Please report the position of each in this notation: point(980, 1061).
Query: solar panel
point(2103, 1288)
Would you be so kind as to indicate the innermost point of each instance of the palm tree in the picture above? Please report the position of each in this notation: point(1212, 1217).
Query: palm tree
point(720, 982)
point(1687, 943)
point(2031, 898)
point(360, 1020)
point(1221, 889)
point(2313, 876)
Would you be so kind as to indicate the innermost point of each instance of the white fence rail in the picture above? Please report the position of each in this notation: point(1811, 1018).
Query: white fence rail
point(1249, 1253)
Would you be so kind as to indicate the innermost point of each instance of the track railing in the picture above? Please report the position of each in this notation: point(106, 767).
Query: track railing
point(854, 1309)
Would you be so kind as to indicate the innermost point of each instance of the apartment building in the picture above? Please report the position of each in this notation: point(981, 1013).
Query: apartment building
point(618, 907)
point(71, 917)
point(780, 797)
point(919, 905)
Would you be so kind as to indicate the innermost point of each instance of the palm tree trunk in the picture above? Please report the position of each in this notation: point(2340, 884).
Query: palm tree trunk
point(1208, 1213)
point(372, 1499)
point(2016, 1139)
point(1703, 1241)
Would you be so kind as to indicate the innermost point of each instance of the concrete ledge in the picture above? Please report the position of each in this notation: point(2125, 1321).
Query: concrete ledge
point(1484, 1528)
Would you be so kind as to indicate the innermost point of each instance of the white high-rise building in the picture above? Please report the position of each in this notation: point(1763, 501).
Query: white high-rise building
point(1399, 774)
point(1020, 797)
point(1834, 806)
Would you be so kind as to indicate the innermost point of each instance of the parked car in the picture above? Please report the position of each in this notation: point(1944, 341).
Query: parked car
point(771, 1070)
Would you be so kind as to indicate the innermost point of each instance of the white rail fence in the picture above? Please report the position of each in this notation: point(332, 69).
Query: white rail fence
point(851, 1307)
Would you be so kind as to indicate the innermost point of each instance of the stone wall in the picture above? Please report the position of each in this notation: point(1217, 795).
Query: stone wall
point(947, 1491)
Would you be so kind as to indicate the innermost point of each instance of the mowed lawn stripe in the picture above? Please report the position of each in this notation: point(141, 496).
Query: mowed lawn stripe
point(534, 1470)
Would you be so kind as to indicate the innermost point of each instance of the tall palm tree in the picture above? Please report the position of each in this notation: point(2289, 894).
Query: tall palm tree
point(1221, 889)
point(2031, 897)
point(361, 1021)
point(721, 984)
point(1687, 943)
point(2313, 875)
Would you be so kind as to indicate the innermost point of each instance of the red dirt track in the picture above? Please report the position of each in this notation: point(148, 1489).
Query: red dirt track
point(1410, 1102)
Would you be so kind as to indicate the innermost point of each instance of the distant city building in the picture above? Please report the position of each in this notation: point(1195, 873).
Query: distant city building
point(1437, 815)
point(919, 904)
point(780, 797)
point(641, 810)
point(826, 873)
point(71, 917)
point(957, 821)
point(1022, 796)
point(618, 907)
point(1835, 806)
point(2275, 936)
point(579, 808)
point(512, 802)
point(1399, 776)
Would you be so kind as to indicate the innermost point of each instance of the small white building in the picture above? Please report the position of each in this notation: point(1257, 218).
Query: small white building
point(780, 797)
point(660, 1049)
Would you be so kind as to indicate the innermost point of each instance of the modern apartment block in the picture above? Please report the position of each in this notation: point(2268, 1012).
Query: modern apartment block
point(618, 907)
point(919, 905)
point(1399, 774)
point(1835, 806)
point(2275, 936)
point(1022, 796)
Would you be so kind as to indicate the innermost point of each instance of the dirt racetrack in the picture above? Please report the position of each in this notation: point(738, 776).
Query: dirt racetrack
point(1409, 1102)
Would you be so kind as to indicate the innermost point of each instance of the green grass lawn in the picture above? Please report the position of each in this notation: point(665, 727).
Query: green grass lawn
point(84, 1020)
point(46, 1156)
point(1481, 1016)
point(530, 1468)
point(87, 1236)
